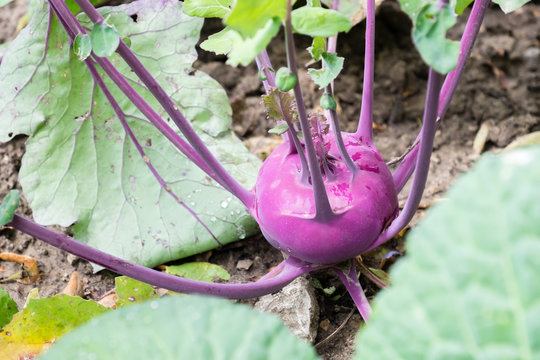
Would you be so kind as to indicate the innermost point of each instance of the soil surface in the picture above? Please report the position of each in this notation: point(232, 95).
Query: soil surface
point(500, 91)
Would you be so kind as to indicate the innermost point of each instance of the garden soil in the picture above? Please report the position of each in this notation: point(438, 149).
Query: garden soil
point(497, 101)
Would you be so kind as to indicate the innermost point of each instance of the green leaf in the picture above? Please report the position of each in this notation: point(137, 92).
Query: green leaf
point(82, 46)
point(201, 271)
point(130, 291)
point(279, 129)
point(461, 5)
point(510, 5)
point(8, 207)
point(429, 36)
point(315, 21)
point(42, 322)
point(430, 24)
point(328, 102)
point(317, 48)
point(247, 16)
point(105, 39)
point(285, 79)
point(239, 49)
point(277, 102)
point(208, 8)
point(7, 307)
point(468, 287)
point(80, 166)
point(182, 327)
point(332, 65)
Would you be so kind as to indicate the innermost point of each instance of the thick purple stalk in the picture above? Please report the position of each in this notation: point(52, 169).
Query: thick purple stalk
point(292, 267)
point(295, 146)
point(365, 124)
point(323, 209)
point(334, 122)
point(467, 41)
point(121, 116)
point(244, 195)
point(406, 167)
point(353, 286)
point(422, 165)
point(331, 47)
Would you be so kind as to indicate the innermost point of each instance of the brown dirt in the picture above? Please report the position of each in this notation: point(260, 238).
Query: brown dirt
point(500, 87)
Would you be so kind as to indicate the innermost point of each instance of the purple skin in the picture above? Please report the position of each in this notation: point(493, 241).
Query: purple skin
point(364, 204)
point(320, 215)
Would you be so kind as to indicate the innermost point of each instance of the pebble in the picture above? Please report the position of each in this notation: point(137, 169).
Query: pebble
point(297, 306)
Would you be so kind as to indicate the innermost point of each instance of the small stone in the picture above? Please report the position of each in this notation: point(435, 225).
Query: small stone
point(244, 264)
point(325, 324)
point(297, 306)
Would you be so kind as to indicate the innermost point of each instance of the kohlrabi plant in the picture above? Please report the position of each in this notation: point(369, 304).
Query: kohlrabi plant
point(323, 197)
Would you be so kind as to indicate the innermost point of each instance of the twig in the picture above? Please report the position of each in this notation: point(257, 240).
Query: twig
point(402, 156)
point(329, 337)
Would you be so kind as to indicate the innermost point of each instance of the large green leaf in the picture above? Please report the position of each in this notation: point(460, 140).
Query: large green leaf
point(42, 322)
point(81, 167)
point(7, 307)
point(182, 327)
point(468, 288)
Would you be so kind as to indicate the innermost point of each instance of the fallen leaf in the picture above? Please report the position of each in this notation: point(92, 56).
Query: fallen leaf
point(42, 322)
point(74, 286)
point(130, 291)
point(31, 273)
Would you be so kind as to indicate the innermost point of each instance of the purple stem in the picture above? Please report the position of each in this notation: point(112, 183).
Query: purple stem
point(295, 146)
point(121, 116)
point(364, 270)
point(353, 286)
point(323, 209)
point(422, 165)
point(291, 269)
point(244, 195)
point(331, 45)
point(365, 124)
point(351, 165)
point(467, 41)
point(405, 169)
point(264, 65)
